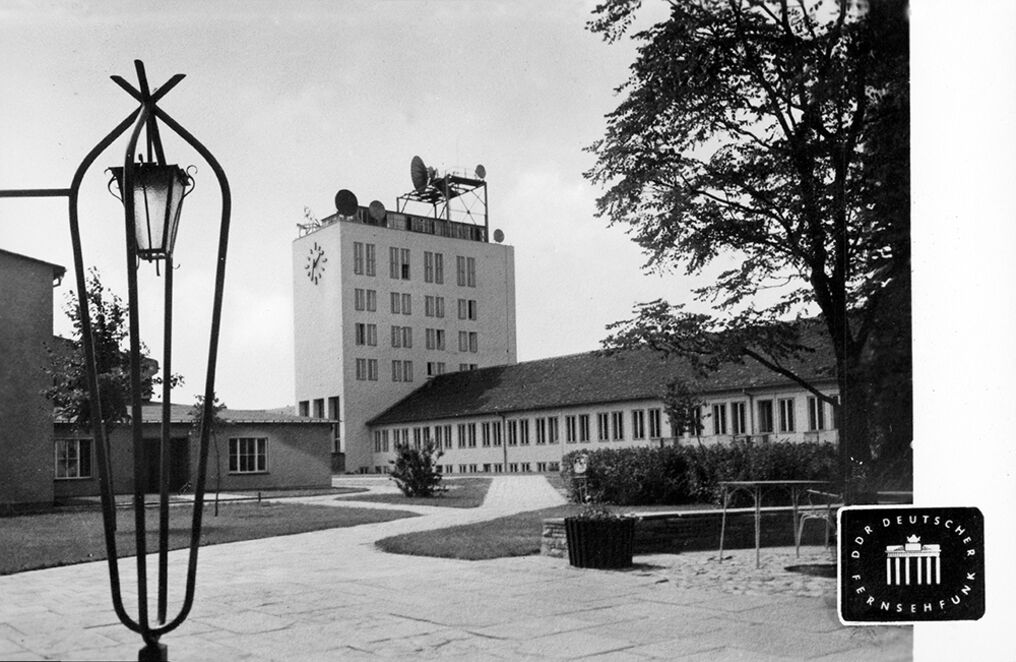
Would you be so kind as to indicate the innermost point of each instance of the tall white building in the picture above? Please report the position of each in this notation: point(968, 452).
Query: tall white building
point(385, 300)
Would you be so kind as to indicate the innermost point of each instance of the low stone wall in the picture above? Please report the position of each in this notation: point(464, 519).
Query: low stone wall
point(673, 533)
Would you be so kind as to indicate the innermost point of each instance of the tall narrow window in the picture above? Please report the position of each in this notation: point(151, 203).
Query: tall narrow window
point(460, 271)
point(524, 432)
point(372, 301)
point(571, 431)
point(428, 267)
point(473, 342)
point(371, 259)
point(816, 414)
point(497, 433)
point(738, 417)
point(786, 415)
point(603, 426)
point(407, 304)
point(765, 416)
point(359, 299)
point(393, 263)
point(720, 418)
point(319, 408)
point(358, 258)
point(439, 268)
point(471, 272)
point(638, 424)
point(541, 431)
point(655, 431)
point(396, 303)
point(584, 427)
point(463, 341)
point(513, 433)
point(552, 430)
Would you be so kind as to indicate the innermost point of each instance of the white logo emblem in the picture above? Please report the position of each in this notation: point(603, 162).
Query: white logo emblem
point(928, 568)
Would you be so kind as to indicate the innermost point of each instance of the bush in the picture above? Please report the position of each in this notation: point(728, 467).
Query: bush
point(678, 474)
point(415, 470)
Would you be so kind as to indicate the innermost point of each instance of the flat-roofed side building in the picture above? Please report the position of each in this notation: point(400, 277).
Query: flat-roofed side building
point(26, 416)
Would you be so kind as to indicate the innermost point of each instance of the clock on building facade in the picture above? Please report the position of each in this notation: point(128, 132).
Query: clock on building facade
point(315, 263)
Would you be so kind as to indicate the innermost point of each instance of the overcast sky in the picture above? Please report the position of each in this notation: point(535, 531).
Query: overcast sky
point(298, 100)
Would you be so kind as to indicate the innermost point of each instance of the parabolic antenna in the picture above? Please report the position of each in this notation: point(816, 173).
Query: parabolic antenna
point(377, 211)
point(345, 202)
point(418, 171)
point(481, 172)
point(498, 235)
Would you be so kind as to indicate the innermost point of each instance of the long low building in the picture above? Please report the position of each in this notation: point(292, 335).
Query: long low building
point(525, 417)
point(252, 450)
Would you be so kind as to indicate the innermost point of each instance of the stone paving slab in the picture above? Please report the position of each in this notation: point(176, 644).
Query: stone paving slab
point(331, 595)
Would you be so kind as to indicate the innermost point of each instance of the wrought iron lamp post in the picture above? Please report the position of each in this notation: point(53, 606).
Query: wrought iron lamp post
point(152, 193)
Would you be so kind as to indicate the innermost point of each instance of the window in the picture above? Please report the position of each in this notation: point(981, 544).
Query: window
point(304, 408)
point(524, 432)
point(816, 414)
point(467, 366)
point(552, 430)
point(462, 435)
point(447, 435)
point(571, 430)
point(655, 428)
point(398, 262)
point(433, 267)
point(584, 427)
point(402, 336)
point(470, 272)
point(366, 369)
point(485, 436)
point(463, 341)
point(720, 419)
point(465, 271)
point(513, 433)
point(333, 408)
point(738, 418)
point(377, 441)
point(602, 426)
point(496, 429)
point(73, 458)
point(765, 416)
point(365, 299)
point(396, 303)
point(366, 334)
point(471, 430)
point(435, 368)
point(371, 260)
point(541, 431)
point(402, 371)
point(319, 408)
point(473, 342)
point(617, 425)
point(248, 455)
point(417, 437)
point(435, 338)
point(467, 309)
point(786, 415)
point(638, 424)
point(358, 258)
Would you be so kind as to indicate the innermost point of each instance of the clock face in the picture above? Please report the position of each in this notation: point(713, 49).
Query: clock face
point(315, 263)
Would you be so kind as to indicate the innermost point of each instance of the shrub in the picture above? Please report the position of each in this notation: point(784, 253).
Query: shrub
point(415, 470)
point(691, 474)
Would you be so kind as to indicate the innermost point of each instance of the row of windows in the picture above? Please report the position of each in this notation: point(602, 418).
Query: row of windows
point(365, 335)
point(400, 265)
point(319, 408)
point(780, 418)
point(517, 431)
point(489, 467)
point(247, 455)
point(402, 304)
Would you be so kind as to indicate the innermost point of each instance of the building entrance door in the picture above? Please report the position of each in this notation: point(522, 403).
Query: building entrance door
point(179, 464)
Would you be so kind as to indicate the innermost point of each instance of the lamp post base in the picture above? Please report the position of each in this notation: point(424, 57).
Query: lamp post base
point(154, 652)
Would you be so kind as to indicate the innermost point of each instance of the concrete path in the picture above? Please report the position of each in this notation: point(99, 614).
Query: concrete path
point(330, 595)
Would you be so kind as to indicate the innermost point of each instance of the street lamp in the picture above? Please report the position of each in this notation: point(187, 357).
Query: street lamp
point(152, 193)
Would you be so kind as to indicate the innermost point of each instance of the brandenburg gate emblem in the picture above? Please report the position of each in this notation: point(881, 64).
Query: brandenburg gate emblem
point(928, 565)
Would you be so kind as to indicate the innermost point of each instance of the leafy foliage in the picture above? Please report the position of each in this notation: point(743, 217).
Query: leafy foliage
point(675, 475)
point(110, 339)
point(415, 470)
point(777, 134)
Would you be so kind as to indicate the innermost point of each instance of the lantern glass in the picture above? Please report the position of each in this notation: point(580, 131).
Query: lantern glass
point(158, 192)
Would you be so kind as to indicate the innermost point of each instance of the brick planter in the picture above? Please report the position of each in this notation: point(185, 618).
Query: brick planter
point(600, 543)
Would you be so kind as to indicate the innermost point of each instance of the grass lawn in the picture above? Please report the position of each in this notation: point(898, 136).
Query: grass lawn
point(462, 493)
point(515, 535)
point(51, 539)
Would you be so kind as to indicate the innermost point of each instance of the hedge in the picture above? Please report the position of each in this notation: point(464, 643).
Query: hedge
point(675, 475)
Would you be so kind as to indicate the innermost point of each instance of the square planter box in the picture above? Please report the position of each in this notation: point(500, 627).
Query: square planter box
point(600, 543)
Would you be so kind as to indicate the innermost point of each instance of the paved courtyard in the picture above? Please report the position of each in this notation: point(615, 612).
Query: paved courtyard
point(330, 595)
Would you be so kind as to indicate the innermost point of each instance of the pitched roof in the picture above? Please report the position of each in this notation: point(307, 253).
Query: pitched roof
point(151, 412)
point(583, 379)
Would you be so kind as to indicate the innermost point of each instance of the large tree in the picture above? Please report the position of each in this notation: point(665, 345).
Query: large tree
point(773, 136)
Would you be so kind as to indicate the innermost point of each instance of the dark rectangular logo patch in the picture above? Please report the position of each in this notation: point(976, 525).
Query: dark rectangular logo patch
point(907, 564)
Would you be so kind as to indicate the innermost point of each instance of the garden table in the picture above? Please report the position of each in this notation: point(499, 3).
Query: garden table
point(755, 488)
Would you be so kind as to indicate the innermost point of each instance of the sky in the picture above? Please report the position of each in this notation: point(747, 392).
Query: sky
point(300, 99)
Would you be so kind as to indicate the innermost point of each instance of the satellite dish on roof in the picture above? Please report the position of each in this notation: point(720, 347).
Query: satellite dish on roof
point(481, 172)
point(377, 211)
point(420, 173)
point(345, 202)
point(498, 235)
